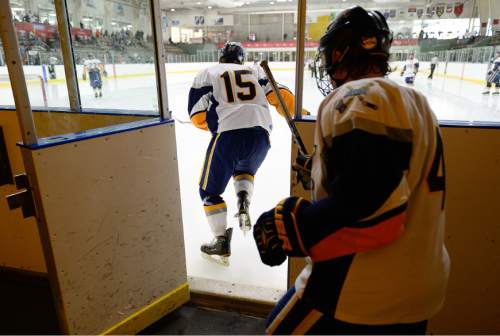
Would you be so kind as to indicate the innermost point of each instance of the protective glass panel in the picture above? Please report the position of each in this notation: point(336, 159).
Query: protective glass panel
point(114, 55)
point(454, 45)
point(193, 34)
point(39, 46)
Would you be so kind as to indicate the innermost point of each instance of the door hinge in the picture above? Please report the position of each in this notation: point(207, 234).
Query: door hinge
point(23, 198)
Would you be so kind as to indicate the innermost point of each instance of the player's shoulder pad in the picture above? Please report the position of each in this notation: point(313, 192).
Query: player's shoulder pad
point(356, 97)
point(371, 104)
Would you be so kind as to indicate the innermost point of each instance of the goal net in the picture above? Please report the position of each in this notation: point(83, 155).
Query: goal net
point(37, 90)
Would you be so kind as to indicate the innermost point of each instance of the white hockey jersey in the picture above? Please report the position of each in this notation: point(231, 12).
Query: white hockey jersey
point(92, 64)
point(411, 67)
point(493, 70)
point(389, 266)
point(230, 96)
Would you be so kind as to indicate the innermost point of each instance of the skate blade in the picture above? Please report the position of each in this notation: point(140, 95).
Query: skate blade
point(219, 260)
point(245, 223)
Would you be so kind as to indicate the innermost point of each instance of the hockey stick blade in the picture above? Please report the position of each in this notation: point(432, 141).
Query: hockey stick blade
point(291, 124)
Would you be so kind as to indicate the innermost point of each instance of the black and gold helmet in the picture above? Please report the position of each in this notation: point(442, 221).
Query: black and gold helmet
point(353, 35)
point(232, 52)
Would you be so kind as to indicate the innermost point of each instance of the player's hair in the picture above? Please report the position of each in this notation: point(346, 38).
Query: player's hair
point(357, 41)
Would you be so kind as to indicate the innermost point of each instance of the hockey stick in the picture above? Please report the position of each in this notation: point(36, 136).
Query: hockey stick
point(303, 173)
point(295, 133)
point(180, 121)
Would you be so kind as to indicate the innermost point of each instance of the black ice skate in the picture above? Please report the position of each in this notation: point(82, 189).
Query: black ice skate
point(219, 250)
point(243, 213)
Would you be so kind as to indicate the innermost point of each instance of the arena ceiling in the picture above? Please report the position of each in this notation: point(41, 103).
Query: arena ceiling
point(248, 5)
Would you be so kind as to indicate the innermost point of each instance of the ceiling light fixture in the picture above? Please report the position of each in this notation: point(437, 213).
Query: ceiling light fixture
point(172, 9)
point(209, 7)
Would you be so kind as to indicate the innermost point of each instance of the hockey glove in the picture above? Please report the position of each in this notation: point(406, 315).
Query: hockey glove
point(302, 168)
point(84, 76)
point(276, 232)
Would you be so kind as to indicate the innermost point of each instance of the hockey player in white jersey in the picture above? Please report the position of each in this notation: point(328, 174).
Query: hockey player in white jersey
point(493, 75)
point(374, 233)
point(410, 69)
point(94, 68)
point(230, 100)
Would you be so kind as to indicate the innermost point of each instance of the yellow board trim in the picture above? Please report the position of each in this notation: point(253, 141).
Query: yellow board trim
point(207, 172)
point(151, 313)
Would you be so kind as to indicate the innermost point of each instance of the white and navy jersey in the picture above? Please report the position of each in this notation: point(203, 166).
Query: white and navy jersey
point(92, 64)
point(230, 96)
point(376, 226)
point(411, 67)
point(495, 65)
point(435, 60)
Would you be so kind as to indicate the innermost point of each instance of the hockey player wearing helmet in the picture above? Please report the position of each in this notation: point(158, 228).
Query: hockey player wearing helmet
point(94, 68)
point(373, 235)
point(230, 100)
point(493, 75)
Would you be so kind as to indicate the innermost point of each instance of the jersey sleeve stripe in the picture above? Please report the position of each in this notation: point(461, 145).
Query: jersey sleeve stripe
point(350, 240)
point(195, 94)
point(212, 116)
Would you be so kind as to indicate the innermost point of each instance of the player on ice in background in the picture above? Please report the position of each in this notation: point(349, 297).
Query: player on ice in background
point(434, 64)
point(94, 67)
point(374, 233)
point(493, 75)
point(410, 69)
point(52, 67)
point(230, 100)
